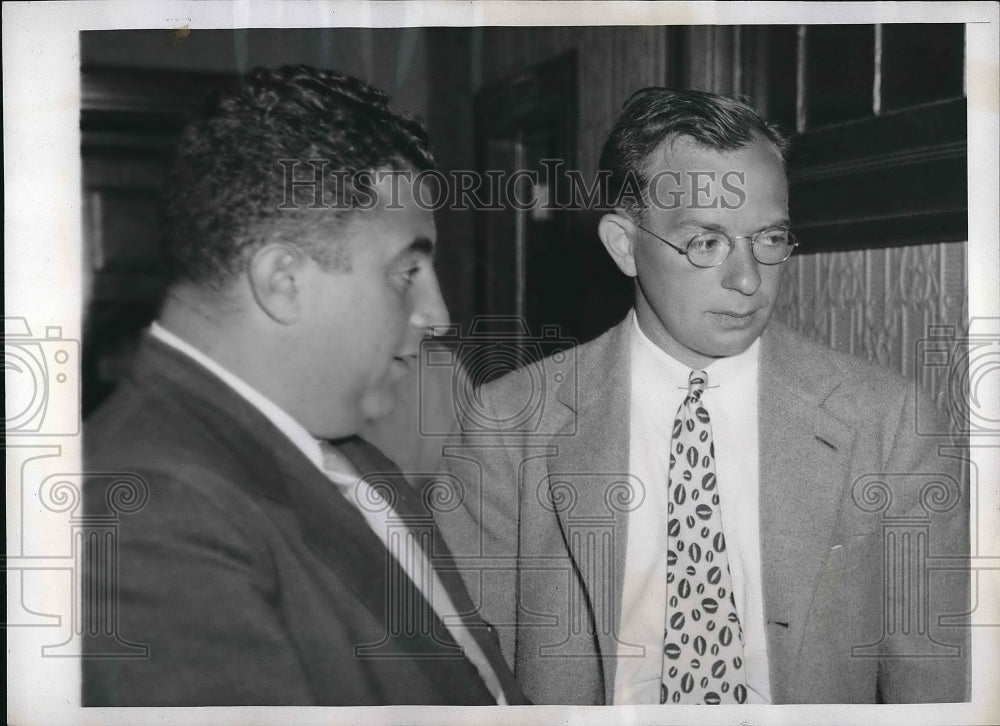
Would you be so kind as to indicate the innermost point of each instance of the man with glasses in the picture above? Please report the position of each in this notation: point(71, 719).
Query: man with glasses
point(691, 520)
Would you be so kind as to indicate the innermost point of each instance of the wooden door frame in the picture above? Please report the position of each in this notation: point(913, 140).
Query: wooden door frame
point(542, 96)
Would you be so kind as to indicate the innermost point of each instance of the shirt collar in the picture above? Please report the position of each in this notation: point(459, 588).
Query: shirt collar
point(291, 428)
point(730, 370)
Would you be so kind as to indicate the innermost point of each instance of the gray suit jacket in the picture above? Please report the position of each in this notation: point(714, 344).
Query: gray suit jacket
point(854, 505)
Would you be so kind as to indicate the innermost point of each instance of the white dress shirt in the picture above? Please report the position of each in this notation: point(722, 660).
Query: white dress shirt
point(355, 489)
point(659, 386)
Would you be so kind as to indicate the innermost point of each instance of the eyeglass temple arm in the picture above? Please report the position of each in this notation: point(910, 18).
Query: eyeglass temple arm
point(679, 250)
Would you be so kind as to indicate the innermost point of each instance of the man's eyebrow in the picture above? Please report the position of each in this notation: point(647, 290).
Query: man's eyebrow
point(711, 226)
point(419, 246)
point(685, 222)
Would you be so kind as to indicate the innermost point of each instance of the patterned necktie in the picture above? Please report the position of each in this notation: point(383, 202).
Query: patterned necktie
point(703, 640)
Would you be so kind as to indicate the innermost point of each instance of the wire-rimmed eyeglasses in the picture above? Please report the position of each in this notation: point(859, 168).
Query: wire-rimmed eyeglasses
point(770, 246)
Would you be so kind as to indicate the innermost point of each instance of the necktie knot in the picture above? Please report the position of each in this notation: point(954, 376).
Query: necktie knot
point(697, 382)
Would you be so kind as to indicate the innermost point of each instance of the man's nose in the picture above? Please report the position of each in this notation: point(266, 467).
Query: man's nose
point(742, 269)
point(430, 309)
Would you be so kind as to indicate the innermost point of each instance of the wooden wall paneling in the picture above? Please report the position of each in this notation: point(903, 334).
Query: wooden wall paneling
point(129, 121)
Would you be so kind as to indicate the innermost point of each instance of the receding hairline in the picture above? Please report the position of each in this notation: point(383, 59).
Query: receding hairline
point(666, 147)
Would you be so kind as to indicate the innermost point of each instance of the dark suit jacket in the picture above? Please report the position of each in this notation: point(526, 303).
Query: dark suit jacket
point(248, 576)
point(847, 488)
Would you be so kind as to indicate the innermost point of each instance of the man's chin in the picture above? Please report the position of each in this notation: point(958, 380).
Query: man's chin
point(377, 404)
point(729, 343)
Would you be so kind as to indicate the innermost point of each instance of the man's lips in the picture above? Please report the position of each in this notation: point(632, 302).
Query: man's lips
point(735, 318)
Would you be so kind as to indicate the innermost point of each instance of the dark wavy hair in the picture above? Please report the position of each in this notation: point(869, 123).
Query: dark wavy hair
point(227, 186)
point(652, 116)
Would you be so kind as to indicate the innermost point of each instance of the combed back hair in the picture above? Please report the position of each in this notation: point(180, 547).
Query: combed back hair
point(228, 181)
point(653, 116)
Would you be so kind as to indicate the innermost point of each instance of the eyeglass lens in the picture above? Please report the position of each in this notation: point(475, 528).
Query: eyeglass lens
point(769, 247)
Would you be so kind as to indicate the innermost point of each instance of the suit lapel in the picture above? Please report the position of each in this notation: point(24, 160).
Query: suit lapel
point(411, 510)
point(417, 513)
point(337, 532)
point(272, 466)
point(803, 449)
point(275, 468)
point(594, 462)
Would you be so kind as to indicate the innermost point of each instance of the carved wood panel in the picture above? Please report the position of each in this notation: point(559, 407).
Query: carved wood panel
point(879, 303)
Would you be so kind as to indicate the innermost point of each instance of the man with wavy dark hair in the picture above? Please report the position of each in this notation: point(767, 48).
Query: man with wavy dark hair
point(699, 512)
point(279, 557)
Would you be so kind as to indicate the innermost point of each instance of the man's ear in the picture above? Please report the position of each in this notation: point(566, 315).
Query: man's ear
point(275, 274)
point(616, 231)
